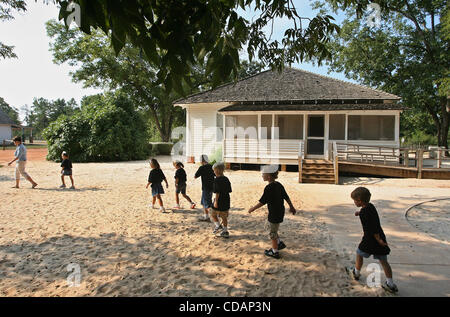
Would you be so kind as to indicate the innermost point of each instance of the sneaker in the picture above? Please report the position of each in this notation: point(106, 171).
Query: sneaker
point(177, 207)
point(203, 219)
point(162, 209)
point(272, 254)
point(193, 205)
point(151, 206)
point(72, 187)
point(217, 229)
point(392, 289)
point(281, 245)
point(353, 274)
point(225, 234)
point(62, 186)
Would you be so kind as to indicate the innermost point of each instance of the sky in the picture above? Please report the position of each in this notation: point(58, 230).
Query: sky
point(33, 74)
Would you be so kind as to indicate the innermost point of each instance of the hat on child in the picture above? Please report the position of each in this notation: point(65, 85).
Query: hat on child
point(269, 169)
point(204, 158)
point(64, 153)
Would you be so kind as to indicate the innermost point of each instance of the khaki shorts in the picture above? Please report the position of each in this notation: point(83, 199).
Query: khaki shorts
point(220, 214)
point(20, 169)
point(274, 227)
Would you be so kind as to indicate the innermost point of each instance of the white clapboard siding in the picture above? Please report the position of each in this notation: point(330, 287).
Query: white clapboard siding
point(202, 125)
point(5, 132)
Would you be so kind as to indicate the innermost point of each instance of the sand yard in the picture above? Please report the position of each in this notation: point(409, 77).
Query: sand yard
point(123, 248)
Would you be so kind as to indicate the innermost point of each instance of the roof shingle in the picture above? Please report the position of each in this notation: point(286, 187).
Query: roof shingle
point(291, 85)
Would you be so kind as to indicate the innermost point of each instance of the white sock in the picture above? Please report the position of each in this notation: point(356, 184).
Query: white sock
point(275, 250)
point(356, 271)
point(217, 224)
point(389, 281)
point(205, 216)
point(225, 228)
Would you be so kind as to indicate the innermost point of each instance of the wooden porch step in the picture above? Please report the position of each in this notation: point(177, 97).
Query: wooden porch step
point(320, 173)
point(318, 180)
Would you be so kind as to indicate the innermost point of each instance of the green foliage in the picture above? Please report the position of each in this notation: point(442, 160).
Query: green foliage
point(12, 112)
point(174, 35)
point(108, 128)
point(6, 9)
point(406, 55)
point(419, 138)
point(216, 156)
point(43, 112)
point(161, 148)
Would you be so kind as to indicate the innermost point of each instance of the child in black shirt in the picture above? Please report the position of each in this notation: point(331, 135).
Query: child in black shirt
point(155, 178)
point(374, 241)
point(206, 172)
point(180, 184)
point(274, 196)
point(221, 205)
point(66, 165)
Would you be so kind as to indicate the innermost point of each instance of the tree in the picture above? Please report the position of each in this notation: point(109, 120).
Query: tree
point(107, 128)
point(10, 111)
point(406, 55)
point(174, 35)
point(98, 66)
point(43, 112)
point(6, 8)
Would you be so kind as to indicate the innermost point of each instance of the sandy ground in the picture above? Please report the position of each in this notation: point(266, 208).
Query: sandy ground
point(123, 248)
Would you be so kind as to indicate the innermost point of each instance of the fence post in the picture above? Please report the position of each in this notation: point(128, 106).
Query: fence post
point(439, 157)
point(419, 163)
point(406, 159)
point(4, 144)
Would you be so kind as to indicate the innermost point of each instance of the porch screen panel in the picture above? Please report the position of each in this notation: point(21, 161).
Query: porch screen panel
point(242, 127)
point(266, 126)
point(371, 127)
point(290, 126)
point(337, 127)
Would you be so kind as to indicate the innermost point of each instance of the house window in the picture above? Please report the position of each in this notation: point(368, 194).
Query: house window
point(290, 127)
point(337, 127)
point(371, 128)
point(219, 127)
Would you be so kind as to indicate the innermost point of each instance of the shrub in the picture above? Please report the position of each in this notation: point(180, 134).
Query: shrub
point(107, 129)
point(161, 148)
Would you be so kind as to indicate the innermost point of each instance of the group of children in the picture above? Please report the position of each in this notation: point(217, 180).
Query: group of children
point(214, 182)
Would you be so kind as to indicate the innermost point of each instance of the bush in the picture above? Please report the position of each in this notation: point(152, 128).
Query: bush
point(216, 156)
point(161, 148)
point(107, 129)
point(420, 138)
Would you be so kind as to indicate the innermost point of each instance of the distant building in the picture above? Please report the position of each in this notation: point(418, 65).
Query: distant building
point(6, 126)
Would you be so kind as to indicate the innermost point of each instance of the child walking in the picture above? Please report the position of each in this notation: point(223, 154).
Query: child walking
point(180, 184)
point(274, 196)
point(66, 165)
point(373, 241)
point(155, 178)
point(205, 171)
point(221, 205)
point(20, 155)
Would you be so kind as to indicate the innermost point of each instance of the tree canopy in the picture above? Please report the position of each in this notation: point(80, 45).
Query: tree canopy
point(10, 111)
point(7, 7)
point(97, 65)
point(174, 35)
point(407, 55)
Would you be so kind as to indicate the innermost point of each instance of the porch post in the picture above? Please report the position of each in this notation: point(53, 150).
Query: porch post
point(326, 133)
point(224, 126)
point(346, 127)
point(397, 129)
point(188, 137)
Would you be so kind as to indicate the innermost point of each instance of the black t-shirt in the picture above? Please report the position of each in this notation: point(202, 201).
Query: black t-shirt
point(156, 176)
point(222, 186)
point(371, 225)
point(67, 164)
point(274, 196)
point(181, 175)
point(207, 174)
